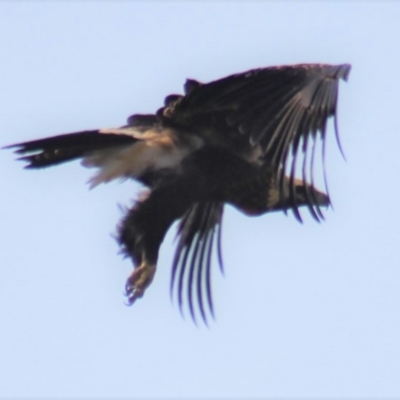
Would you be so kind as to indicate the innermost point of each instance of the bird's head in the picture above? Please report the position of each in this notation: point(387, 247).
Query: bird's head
point(296, 194)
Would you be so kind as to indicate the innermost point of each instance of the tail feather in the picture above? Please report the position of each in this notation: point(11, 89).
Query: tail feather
point(62, 148)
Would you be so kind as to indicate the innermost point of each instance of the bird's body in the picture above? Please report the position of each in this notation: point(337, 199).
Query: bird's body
point(233, 141)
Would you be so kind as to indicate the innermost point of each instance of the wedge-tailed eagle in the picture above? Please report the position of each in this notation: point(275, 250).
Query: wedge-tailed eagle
point(239, 140)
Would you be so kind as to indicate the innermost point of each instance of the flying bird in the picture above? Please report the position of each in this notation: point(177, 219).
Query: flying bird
point(241, 140)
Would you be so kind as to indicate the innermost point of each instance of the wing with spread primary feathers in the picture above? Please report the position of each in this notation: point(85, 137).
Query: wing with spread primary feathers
point(279, 110)
point(199, 232)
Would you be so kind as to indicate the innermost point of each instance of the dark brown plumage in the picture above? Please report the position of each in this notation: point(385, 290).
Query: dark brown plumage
point(239, 140)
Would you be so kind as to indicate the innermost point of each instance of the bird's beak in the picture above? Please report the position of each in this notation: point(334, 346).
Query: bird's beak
point(321, 198)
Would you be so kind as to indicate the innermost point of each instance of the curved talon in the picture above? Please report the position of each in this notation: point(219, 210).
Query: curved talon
point(128, 289)
point(132, 299)
point(137, 283)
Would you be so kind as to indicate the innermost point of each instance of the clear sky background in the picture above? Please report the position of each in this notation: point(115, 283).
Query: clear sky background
point(304, 310)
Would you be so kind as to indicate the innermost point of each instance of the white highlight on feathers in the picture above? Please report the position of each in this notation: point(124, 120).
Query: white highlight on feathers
point(154, 150)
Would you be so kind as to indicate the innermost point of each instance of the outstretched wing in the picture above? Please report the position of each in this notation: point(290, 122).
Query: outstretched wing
point(70, 146)
point(199, 232)
point(138, 150)
point(279, 110)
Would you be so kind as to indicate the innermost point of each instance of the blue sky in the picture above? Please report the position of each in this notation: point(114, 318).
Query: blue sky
point(304, 310)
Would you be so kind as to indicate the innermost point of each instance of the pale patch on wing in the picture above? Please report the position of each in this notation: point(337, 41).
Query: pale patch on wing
point(154, 150)
point(136, 132)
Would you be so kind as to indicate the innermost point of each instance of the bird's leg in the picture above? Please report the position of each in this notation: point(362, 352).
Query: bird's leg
point(140, 238)
point(139, 280)
point(143, 229)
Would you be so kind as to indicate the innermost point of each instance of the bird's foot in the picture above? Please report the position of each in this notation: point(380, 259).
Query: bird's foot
point(139, 280)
